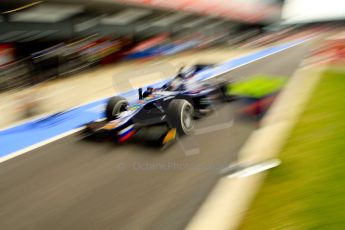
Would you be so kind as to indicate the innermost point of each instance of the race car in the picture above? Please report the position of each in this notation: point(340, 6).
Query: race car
point(172, 107)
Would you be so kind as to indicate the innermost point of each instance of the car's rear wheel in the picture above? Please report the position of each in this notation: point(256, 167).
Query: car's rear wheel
point(115, 106)
point(180, 116)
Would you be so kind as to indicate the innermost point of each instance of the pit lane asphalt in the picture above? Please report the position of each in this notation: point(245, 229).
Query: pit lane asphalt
point(74, 184)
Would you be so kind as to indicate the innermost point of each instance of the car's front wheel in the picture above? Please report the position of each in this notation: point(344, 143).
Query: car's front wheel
point(180, 116)
point(115, 106)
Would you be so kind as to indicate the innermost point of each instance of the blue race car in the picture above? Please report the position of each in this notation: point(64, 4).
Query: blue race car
point(173, 107)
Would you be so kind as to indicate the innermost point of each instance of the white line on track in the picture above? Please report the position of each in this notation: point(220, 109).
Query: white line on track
point(254, 60)
point(35, 146)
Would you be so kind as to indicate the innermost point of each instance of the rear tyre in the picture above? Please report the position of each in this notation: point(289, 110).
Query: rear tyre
point(180, 116)
point(116, 105)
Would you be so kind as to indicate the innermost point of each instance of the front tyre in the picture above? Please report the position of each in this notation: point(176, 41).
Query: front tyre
point(115, 106)
point(180, 116)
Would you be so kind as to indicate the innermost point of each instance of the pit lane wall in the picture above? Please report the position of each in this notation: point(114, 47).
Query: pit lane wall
point(19, 139)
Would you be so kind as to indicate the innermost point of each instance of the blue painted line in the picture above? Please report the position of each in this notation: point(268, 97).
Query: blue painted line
point(33, 132)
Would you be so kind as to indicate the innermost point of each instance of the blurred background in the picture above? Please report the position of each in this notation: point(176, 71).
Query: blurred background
point(60, 54)
point(55, 39)
point(41, 40)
